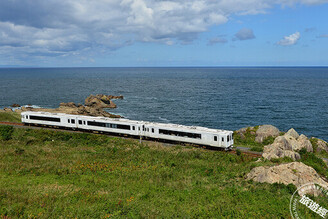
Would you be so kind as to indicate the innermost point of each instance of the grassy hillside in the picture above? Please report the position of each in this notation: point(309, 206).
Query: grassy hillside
point(57, 174)
point(10, 117)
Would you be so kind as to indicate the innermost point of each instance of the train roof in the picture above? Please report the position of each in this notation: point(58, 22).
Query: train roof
point(163, 125)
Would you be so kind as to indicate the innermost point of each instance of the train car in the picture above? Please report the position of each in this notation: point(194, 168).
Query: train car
point(171, 132)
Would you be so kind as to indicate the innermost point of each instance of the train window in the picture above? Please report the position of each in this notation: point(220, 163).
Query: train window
point(80, 122)
point(26, 117)
point(73, 121)
point(69, 121)
point(228, 139)
point(153, 130)
point(215, 138)
point(133, 128)
point(44, 118)
point(139, 128)
point(83, 122)
point(222, 139)
point(180, 134)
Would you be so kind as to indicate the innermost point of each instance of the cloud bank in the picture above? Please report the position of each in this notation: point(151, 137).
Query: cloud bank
point(59, 28)
point(289, 40)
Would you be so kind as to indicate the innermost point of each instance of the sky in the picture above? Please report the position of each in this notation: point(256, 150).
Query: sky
point(147, 33)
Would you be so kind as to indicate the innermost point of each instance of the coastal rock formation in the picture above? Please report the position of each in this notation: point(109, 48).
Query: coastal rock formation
point(295, 173)
point(15, 105)
point(7, 109)
point(265, 131)
point(280, 148)
point(321, 145)
point(292, 133)
point(287, 146)
point(101, 101)
point(260, 133)
point(94, 107)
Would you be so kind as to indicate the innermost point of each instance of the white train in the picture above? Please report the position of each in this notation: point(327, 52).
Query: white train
point(171, 132)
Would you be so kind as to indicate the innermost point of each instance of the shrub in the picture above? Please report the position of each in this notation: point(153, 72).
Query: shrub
point(238, 152)
point(6, 132)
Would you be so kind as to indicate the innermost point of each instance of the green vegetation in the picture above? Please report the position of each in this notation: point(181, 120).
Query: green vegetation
point(312, 160)
point(248, 140)
point(60, 174)
point(10, 117)
point(6, 132)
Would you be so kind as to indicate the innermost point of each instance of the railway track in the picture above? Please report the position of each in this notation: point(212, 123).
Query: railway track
point(246, 152)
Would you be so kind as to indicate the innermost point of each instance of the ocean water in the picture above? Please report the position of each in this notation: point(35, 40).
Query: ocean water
point(223, 98)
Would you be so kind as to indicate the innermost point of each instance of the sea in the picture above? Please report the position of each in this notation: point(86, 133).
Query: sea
point(216, 97)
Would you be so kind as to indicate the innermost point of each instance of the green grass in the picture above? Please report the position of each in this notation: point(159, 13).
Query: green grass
point(249, 140)
point(58, 174)
point(10, 117)
point(312, 160)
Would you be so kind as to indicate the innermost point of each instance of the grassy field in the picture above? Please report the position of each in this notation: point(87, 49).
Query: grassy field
point(10, 117)
point(57, 174)
point(54, 174)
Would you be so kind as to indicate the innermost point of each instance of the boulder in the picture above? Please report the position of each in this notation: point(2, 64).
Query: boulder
point(292, 133)
point(15, 105)
point(321, 146)
point(265, 131)
point(295, 173)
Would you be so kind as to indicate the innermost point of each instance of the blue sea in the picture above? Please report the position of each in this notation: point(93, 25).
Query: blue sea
point(222, 98)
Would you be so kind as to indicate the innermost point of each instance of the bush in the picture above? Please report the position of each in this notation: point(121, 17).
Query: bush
point(6, 132)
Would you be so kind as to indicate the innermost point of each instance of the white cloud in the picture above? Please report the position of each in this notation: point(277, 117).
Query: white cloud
point(61, 27)
point(290, 40)
point(244, 34)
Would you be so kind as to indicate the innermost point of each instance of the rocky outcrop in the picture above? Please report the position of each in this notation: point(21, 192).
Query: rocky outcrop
point(94, 107)
point(7, 109)
point(295, 173)
point(280, 148)
point(321, 145)
point(292, 133)
point(260, 133)
point(101, 101)
point(265, 131)
point(287, 146)
point(15, 105)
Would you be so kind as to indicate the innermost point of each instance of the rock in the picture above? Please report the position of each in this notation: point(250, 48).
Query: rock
point(7, 109)
point(15, 105)
point(69, 104)
point(305, 143)
point(94, 107)
point(287, 146)
point(100, 101)
point(295, 173)
point(292, 133)
point(321, 146)
point(280, 148)
point(265, 131)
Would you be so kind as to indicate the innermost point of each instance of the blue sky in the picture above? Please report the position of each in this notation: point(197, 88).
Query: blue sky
point(76, 33)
